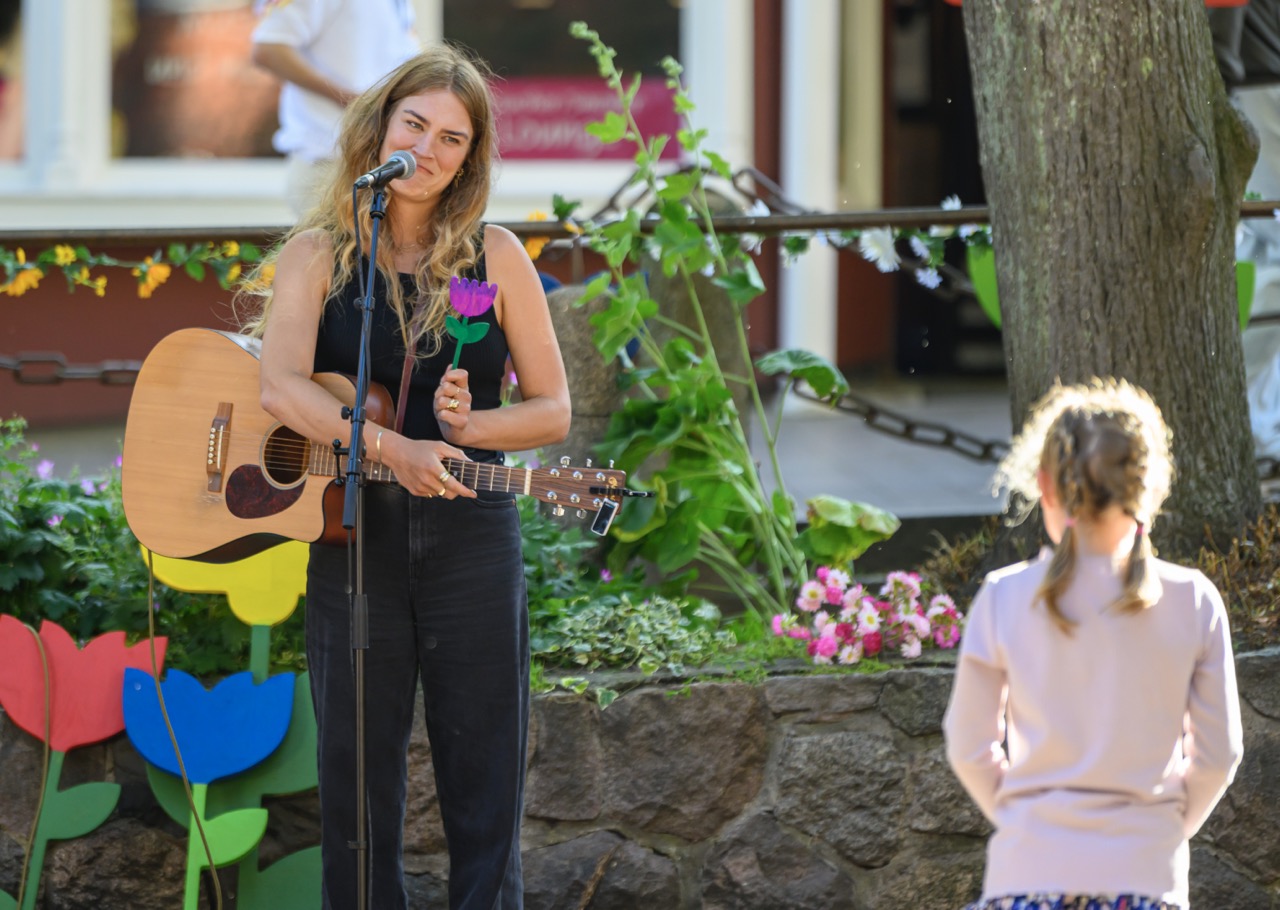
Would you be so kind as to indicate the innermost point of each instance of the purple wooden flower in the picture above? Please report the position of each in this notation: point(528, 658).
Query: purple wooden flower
point(470, 298)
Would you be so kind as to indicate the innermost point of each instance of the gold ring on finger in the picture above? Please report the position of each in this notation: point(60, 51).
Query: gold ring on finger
point(453, 404)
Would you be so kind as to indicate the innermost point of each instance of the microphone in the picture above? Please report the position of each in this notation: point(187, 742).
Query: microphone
point(399, 166)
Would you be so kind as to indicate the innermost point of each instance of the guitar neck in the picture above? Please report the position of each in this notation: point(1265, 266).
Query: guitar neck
point(481, 476)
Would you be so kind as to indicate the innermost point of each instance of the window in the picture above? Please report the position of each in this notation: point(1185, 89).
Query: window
point(183, 84)
point(149, 113)
point(549, 88)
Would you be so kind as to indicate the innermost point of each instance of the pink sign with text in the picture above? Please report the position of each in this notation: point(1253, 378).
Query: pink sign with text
point(542, 119)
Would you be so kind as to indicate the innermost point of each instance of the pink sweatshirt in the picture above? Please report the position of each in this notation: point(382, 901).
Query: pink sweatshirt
point(1096, 755)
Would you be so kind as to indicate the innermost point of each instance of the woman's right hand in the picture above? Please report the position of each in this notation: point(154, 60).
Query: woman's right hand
point(419, 467)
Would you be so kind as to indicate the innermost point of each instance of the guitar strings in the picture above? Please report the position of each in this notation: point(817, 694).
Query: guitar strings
point(287, 454)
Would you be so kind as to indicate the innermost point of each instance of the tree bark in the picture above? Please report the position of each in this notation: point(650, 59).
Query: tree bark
point(1114, 167)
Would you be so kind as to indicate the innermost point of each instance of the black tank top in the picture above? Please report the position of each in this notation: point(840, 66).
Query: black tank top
point(338, 344)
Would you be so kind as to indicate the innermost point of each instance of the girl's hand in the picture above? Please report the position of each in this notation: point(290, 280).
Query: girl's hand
point(419, 466)
point(453, 405)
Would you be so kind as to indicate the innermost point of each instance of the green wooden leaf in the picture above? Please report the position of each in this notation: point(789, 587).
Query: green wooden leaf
point(454, 326)
point(170, 793)
point(474, 331)
point(76, 811)
point(291, 883)
point(8, 902)
point(231, 835)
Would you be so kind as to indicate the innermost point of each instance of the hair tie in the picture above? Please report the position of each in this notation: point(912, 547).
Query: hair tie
point(1070, 522)
point(1138, 533)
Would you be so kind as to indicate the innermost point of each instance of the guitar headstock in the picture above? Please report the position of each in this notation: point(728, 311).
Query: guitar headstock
point(587, 489)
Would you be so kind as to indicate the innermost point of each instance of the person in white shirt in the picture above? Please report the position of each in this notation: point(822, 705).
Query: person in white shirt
point(326, 52)
point(1094, 718)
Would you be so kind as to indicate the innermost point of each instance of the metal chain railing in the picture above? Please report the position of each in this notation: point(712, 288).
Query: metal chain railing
point(930, 433)
point(52, 369)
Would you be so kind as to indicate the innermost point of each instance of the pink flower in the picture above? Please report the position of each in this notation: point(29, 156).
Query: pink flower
point(834, 593)
point(44, 470)
point(822, 573)
point(88, 487)
point(811, 594)
point(911, 647)
point(939, 604)
point(821, 620)
point(119, 462)
point(54, 520)
point(838, 577)
point(919, 624)
point(947, 636)
point(606, 575)
point(778, 623)
point(844, 632)
point(904, 584)
point(853, 597)
point(825, 647)
point(871, 644)
point(800, 632)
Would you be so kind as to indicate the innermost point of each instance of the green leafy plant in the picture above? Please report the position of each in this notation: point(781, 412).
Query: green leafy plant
point(67, 555)
point(681, 421)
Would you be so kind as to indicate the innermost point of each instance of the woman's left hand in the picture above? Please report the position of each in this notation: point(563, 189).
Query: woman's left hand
point(453, 405)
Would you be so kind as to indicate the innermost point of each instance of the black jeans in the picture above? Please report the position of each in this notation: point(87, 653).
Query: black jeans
point(447, 604)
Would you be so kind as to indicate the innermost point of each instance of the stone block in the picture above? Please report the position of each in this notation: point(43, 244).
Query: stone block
point(566, 766)
point(758, 865)
point(684, 764)
point(846, 789)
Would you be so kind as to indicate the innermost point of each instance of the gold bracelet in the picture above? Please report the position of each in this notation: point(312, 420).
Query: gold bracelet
point(377, 445)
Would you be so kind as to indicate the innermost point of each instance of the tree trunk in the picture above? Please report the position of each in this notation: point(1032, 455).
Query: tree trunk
point(1114, 168)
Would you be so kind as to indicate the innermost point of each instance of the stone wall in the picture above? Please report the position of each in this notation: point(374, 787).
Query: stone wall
point(801, 792)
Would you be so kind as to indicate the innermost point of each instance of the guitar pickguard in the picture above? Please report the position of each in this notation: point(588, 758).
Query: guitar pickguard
point(251, 495)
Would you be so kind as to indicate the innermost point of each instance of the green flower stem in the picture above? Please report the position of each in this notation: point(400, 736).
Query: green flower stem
point(676, 325)
point(40, 840)
point(196, 857)
point(260, 652)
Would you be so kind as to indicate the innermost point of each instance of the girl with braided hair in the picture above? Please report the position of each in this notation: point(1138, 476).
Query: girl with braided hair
point(1094, 717)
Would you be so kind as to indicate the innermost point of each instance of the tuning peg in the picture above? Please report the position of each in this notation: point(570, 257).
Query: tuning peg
point(557, 510)
point(564, 461)
point(588, 462)
point(610, 464)
point(582, 513)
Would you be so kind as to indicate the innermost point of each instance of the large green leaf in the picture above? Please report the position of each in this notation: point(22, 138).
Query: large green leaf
point(291, 883)
point(232, 835)
point(76, 811)
point(840, 531)
point(805, 366)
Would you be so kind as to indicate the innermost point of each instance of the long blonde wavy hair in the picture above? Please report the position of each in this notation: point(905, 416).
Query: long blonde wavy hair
point(455, 224)
point(1101, 443)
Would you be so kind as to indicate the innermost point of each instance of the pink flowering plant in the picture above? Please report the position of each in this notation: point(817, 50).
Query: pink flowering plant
point(839, 621)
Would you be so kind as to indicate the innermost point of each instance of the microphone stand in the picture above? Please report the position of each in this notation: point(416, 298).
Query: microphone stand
point(353, 518)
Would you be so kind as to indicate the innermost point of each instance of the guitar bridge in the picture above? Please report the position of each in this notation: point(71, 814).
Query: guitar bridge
point(216, 456)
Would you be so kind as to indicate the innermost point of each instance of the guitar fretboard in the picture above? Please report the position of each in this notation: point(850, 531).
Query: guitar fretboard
point(474, 474)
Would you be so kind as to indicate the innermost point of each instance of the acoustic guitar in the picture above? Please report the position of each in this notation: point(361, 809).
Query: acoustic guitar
point(208, 474)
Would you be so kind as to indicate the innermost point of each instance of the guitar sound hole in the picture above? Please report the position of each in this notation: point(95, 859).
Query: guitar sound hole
point(284, 456)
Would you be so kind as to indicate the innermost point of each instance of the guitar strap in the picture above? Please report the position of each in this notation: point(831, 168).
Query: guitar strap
point(480, 272)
